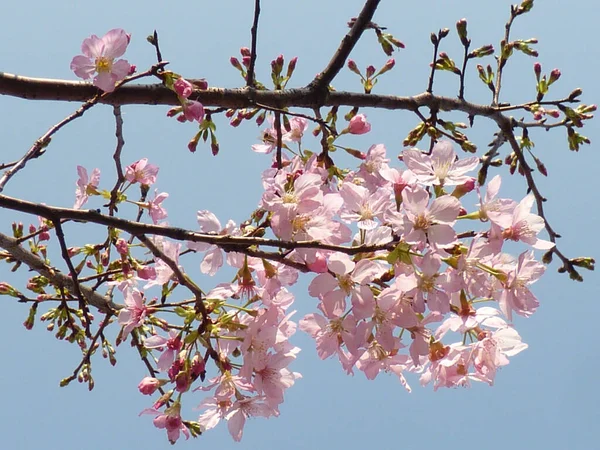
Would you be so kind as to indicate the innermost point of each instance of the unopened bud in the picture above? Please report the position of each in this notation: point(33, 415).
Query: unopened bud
point(576, 93)
point(291, 66)
point(235, 63)
point(554, 75)
point(353, 67)
point(245, 51)
point(461, 28)
point(389, 65)
point(443, 33)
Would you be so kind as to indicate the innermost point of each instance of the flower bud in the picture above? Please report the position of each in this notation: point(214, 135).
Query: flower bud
point(291, 66)
point(122, 246)
point(245, 51)
point(359, 125)
point(236, 63)
point(461, 28)
point(148, 385)
point(183, 88)
point(353, 67)
point(554, 75)
point(370, 71)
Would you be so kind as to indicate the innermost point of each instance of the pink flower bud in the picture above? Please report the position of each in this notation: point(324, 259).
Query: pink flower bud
point(148, 385)
point(353, 67)
point(359, 125)
point(132, 69)
point(32, 228)
point(246, 61)
point(554, 75)
point(201, 84)
point(183, 88)
point(291, 66)
point(537, 69)
point(147, 273)
point(245, 51)
point(370, 71)
point(235, 63)
point(122, 246)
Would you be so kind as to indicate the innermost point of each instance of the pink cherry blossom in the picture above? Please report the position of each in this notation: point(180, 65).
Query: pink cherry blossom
point(135, 313)
point(244, 408)
point(86, 186)
point(433, 224)
point(156, 211)
point(363, 206)
point(516, 295)
point(298, 126)
point(209, 224)
point(525, 226)
point(169, 420)
point(498, 210)
point(441, 168)
point(141, 172)
point(169, 346)
point(192, 111)
point(99, 56)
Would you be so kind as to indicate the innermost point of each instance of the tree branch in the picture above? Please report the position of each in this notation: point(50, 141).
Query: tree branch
point(324, 79)
point(36, 264)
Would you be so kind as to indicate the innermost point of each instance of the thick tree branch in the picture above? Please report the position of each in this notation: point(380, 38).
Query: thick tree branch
point(325, 78)
point(36, 264)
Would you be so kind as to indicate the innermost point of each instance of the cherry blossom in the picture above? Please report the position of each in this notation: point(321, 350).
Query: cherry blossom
point(441, 167)
point(99, 56)
point(86, 186)
point(141, 172)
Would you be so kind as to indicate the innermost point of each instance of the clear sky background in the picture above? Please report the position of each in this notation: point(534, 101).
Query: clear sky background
point(546, 398)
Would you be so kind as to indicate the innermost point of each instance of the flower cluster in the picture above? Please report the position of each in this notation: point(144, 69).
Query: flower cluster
point(397, 287)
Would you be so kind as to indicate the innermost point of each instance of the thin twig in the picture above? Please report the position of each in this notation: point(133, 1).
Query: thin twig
point(254, 33)
point(60, 235)
point(112, 206)
point(181, 277)
point(39, 146)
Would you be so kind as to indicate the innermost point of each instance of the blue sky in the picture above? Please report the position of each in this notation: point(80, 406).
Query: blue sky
point(546, 398)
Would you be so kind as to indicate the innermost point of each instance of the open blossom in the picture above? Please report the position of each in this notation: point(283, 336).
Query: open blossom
point(99, 56)
point(135, 312)
point(364, 206)
point(156, 211)
point(192, 111)
point(170, 347)
point(441, 168)
point(141, 172)
point(525, 226)
point(169, 420)
point(433, 223)
point(209, 224)
point(516, 295)
point(86, 186)
point(497, 210)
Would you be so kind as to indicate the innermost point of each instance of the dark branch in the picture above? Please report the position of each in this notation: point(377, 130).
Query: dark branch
point(324, 79)
point(254, 32)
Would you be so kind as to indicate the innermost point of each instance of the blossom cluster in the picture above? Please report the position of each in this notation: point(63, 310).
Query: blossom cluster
point(397, 287)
